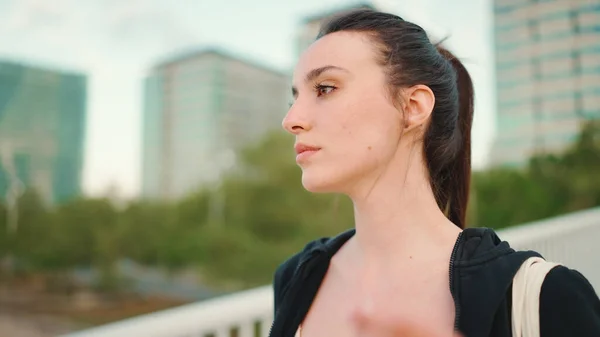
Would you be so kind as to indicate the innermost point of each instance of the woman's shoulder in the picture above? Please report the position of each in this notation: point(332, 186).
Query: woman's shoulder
point(562, 280)
point(287, 267)
point(569, 305)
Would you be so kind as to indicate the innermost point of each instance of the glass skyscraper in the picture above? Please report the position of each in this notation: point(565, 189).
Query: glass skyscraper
point(42, 130)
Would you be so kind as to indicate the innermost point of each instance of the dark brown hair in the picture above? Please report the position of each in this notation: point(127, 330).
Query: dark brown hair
point(410, 59)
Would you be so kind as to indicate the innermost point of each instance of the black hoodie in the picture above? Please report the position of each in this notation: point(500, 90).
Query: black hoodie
point(481, 272)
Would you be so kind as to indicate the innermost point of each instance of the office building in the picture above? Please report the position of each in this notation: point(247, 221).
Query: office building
point(547, 75)
point(199, 109)
point(42, 131)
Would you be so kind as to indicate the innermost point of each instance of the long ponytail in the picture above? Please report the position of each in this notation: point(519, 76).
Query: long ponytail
point(452, 185)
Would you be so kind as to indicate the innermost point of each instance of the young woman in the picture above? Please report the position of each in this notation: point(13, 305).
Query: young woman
point(384, 116)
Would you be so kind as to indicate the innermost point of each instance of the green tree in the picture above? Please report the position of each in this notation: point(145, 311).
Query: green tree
point(551, 184)
point(581, 165)
point(30, 243)
point(4, 238)
point(86, 233)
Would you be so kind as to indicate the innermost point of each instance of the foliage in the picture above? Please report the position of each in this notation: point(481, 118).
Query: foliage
point(550, 185)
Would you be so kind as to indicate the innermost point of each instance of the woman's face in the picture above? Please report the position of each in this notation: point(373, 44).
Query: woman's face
point(346, 126)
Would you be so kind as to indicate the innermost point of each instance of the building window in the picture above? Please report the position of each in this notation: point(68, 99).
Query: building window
point(535, 37)
point(533, 30)
point(578, 98)
point(536, 68)
point(576, 61)
point(575, 22)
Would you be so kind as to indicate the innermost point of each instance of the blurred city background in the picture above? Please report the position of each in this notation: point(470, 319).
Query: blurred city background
point(143, 166)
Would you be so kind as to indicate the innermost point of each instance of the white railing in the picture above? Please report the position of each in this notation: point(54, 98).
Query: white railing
point(571, 239)
point(249, 312)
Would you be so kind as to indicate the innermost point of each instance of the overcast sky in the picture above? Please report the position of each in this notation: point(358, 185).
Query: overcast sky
point(116, 41)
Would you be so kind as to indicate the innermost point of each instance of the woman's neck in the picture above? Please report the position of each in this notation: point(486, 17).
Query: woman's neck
point(399, 219)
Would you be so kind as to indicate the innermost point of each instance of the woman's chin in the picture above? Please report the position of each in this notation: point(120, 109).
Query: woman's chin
point(317, 183)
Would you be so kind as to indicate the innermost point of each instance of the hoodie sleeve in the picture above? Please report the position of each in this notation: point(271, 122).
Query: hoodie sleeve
point(569, 306)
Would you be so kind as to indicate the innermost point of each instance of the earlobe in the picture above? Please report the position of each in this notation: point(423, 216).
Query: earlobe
point(419, 106)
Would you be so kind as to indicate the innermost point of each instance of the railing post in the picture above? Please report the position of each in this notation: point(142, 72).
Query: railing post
point(222, 331)
point(246, 329)
point(265, 325)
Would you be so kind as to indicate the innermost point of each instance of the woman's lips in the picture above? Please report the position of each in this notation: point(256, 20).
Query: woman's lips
point(303, 151)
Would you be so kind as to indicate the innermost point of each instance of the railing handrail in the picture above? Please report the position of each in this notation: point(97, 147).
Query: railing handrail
point(546, 228)
point(254, 304)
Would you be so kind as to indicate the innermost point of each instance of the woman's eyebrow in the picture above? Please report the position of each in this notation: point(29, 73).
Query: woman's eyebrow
point(316, 72)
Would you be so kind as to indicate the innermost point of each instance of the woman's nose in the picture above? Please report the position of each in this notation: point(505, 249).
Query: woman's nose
point(295, 122)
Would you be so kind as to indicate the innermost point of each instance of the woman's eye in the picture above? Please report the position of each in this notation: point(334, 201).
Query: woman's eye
point(324, 89)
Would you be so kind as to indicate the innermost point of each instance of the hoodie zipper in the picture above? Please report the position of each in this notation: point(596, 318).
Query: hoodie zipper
point(452, 290)
point(273, 323)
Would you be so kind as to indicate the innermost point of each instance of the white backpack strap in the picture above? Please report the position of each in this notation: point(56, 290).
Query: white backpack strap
point(527, 285)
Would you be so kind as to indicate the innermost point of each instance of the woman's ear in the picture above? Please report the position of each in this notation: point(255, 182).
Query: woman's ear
point(419, 101)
